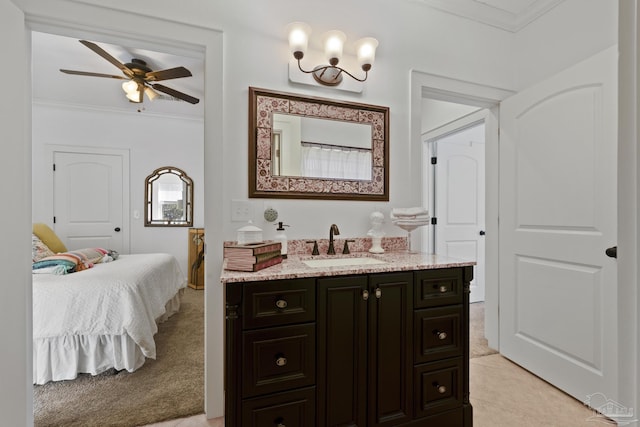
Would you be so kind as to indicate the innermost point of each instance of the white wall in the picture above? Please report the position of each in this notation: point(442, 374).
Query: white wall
point(436, 113)
point(15, 326)
point(574, 30)
point(153, 141)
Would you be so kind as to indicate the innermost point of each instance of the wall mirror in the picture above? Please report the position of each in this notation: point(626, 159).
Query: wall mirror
point(169, 198)
point(315, 148)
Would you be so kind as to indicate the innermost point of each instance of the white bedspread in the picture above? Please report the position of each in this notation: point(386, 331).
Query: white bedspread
point(113, 305)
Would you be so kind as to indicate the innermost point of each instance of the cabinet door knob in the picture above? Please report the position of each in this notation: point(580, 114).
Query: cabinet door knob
point(279, 422)
point(281, 304)
point(365, 295)
point(281, 361)
point(441, 389)
point(441, 335)
point(378, 293)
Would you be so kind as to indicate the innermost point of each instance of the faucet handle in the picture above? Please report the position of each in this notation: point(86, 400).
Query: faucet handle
point(315, 250)
point(346, 250)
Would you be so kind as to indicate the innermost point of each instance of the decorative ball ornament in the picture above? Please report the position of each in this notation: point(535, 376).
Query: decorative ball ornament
point(270, 214)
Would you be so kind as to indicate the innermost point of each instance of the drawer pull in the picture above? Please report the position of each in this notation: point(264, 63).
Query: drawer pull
point(281, 304)
point(365, 295)
point(441, 335)
point(441, 389)
point(443, 289)
point(281, 361)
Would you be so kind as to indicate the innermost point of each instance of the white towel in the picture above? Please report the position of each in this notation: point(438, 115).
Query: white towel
point(409, 212)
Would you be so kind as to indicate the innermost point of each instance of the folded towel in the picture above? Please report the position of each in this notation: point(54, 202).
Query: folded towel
point(409, 212)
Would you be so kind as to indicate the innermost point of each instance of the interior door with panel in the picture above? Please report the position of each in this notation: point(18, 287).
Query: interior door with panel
point(89, 199)
point(460, 200)
point(558, 289)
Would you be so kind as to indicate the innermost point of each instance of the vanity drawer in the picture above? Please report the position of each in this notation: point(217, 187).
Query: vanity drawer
point(437, 387)
point(279, 302)
point(292, 408)
point(438, 287)
point(437, 333)
point(277, 359)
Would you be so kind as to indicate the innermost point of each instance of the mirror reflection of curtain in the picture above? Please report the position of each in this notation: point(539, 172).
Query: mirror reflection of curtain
point(324, 162)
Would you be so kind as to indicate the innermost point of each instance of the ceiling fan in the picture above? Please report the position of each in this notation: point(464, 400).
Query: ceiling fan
point(140, 78)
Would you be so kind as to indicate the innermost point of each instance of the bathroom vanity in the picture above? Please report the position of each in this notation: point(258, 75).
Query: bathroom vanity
point(378, 342)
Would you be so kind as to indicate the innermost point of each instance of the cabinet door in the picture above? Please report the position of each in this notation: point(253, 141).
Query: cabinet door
point(390, 349)
point(342, 351)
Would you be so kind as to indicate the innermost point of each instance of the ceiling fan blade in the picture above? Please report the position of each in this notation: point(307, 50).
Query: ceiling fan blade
point(176, 94)
point(87, 73)
point(100, 51)
point(171, 73)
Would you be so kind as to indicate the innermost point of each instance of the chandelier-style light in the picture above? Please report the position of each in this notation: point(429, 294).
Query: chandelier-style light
point(333, 43)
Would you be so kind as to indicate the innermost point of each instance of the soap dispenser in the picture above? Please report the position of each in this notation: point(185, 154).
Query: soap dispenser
point(282, 238)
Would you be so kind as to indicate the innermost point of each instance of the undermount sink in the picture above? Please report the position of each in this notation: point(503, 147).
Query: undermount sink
point(340, 262)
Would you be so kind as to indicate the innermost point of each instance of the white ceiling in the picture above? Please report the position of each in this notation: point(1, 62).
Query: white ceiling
point(51, 52)
point(510, 15)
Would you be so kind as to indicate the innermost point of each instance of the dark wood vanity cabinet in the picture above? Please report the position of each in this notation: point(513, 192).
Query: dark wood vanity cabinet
point(376, 350)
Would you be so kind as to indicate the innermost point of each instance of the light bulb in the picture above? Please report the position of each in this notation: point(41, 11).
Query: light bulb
point(298, 38)
point(130, 86)
point(366, 50)
point(333, 44)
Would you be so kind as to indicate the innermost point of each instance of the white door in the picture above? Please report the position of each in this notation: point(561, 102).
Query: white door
point(558, 289)
point(459, 200)
point(88, 200)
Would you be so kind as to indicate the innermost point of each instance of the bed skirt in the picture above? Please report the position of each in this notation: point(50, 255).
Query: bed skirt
point(64, 357)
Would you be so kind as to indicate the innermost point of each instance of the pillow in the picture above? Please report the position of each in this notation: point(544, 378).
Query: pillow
point(90, 255)
point(38, 249)
point(48, 237)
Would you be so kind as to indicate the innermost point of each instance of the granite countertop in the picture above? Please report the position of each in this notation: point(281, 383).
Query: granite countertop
point(294, 267)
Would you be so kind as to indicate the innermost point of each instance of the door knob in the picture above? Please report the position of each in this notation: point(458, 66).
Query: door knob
point(482, 233)
point(612, 252)
point(117, 229)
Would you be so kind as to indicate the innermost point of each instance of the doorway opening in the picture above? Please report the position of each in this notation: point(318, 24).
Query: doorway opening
point(145, 148)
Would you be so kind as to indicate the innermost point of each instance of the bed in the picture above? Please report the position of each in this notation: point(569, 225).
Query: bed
point(102, 317)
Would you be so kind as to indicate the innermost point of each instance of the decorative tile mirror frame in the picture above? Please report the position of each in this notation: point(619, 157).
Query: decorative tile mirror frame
point(264, 184)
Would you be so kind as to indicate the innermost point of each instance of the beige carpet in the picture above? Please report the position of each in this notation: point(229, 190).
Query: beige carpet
point(478, 346)
point(172, 386)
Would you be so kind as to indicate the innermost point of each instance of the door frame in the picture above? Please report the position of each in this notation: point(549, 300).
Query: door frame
point(427, 85)
point(51, 149)
point(628, 201)
point(50, 18)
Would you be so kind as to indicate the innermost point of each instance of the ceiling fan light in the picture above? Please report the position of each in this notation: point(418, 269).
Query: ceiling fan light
point(152, 94)
point(130, 87)
point(134, 96)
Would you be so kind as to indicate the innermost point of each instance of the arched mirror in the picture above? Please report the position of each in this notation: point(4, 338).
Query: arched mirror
point(168, 192)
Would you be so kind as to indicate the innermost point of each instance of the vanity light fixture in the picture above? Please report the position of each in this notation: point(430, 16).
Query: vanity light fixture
point(333, 42)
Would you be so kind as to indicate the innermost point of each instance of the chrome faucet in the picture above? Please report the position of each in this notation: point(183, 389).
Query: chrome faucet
point(332, 230)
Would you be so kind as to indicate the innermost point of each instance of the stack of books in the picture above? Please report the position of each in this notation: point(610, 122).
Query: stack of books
point(252, 256)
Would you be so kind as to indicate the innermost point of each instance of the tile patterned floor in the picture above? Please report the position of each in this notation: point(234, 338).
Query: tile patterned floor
point(502, 395)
